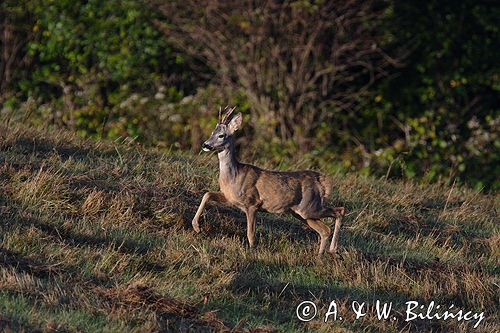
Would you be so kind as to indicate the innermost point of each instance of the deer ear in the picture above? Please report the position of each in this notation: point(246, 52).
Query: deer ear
point(235, 123)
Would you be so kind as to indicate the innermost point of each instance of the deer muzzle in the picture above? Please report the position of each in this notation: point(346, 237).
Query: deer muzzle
point(206, 147)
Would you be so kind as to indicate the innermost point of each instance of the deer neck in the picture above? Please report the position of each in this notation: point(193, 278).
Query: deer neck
point(228, 164)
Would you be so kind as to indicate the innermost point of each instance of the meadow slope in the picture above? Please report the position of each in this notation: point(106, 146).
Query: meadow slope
point(96, 236)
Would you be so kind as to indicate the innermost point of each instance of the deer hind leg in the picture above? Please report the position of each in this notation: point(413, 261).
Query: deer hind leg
point(250, 212)
point(213, 196)
point(337, 212)
point(324, 233)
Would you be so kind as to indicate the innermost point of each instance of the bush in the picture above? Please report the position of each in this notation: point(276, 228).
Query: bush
point(88, 57)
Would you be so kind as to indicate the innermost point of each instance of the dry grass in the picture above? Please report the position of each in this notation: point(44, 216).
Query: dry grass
point(96, 237)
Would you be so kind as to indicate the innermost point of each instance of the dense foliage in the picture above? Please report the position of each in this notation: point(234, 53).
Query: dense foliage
point(93, 64)
point(141, 70)
point(447, 98)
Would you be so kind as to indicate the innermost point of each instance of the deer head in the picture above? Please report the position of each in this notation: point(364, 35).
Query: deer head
point(222, 136)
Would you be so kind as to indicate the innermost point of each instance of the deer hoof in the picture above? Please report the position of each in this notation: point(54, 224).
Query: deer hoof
point(196, 226)
point(335, 255)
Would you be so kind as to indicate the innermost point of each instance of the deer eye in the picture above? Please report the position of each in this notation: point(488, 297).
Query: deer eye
point(221, 136)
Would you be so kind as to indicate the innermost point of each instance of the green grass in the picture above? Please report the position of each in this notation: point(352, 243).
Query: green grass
point(96, 237)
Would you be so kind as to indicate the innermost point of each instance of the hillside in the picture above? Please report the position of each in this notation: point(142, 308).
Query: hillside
point(96, 236)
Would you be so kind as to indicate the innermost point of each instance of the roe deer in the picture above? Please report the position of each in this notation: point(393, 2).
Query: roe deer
point(249, 188)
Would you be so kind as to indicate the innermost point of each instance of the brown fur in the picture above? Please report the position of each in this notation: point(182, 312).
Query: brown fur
point(250, 188)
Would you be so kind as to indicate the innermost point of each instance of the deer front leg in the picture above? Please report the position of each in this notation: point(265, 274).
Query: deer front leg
point(250, 212)
point(214, 196)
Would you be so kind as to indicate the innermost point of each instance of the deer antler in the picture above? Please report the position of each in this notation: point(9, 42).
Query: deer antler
point(228, 114)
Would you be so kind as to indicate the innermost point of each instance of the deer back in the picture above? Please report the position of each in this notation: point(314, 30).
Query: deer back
point(275, 191)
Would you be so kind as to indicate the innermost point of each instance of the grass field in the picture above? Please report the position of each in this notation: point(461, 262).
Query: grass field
point(96, 237)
